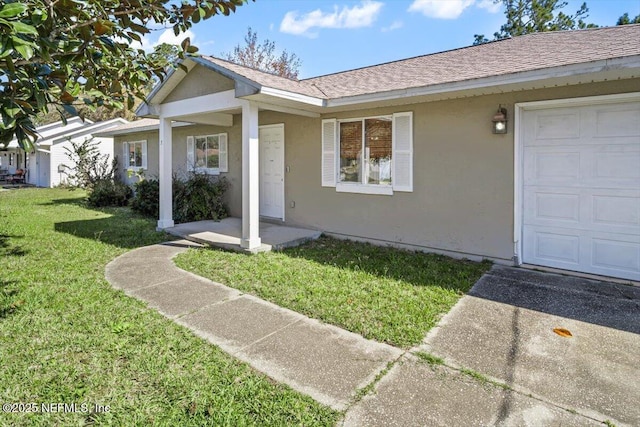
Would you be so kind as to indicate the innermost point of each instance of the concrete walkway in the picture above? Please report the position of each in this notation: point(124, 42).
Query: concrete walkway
point(502, 363)
point(325, 362)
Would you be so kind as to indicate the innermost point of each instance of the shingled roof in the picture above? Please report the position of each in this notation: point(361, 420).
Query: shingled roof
point(530, 52)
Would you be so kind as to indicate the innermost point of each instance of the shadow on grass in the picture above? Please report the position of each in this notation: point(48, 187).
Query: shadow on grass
point(417, 268)
point(7, 248)
point(123, 229)
point(77, 201)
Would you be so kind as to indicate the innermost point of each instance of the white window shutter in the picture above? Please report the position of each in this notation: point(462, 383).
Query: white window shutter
point(329, 149)
point(144, 154)
point(125, 154)
point(191, 153)
point(222, 153)
point(402, 143)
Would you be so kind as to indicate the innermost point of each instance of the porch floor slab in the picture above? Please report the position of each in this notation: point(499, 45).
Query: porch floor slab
point(227, 234)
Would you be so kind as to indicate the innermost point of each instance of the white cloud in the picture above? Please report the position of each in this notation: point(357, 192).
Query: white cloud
point(451, 9)
point(490, 5)
point(167, 36)
point(362, 15)
point(441, 9)
point(394, 26)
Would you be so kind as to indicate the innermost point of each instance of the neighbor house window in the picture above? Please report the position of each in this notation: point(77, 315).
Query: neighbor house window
point(371, 155)
point(135, 155)
point(207, 153)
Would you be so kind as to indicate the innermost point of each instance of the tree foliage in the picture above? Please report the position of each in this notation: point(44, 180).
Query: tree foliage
point(533, 16)
point(625, 20)
point(66, 53)
point(263, 57)
point(91, 166)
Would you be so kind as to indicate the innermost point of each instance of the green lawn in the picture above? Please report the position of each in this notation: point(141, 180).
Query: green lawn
point(385, 294)
point(67, 337)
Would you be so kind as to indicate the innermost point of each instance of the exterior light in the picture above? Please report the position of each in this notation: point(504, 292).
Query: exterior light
point(499, 121)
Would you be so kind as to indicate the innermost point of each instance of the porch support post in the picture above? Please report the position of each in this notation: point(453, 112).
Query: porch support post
point(165, 175)
point(250, 177)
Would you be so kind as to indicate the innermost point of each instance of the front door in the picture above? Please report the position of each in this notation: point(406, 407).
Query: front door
point(272, 171)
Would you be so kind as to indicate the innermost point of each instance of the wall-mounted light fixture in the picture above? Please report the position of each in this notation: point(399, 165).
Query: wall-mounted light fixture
point(499, 121)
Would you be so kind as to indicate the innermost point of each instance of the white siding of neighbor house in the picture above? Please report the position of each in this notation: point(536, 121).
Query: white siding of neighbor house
point(59, 156)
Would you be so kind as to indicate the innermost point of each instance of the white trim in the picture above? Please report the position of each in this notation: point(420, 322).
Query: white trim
point(383, 190)
point(288, 110)
point(143, 153)
point(284, 168)
point(613, 68)
point(518, 152)
point(219, 101)
point(292, 96)
point(207, 170)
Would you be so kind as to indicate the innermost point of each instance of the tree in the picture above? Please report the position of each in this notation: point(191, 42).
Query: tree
point(262, 56)
point(625, 20)
point(164, 55)
point(67, 53)
point(533, 16)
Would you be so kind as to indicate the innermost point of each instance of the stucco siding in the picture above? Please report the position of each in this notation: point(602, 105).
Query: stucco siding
point(200, 81)
point(179, 156)
point(462, 199)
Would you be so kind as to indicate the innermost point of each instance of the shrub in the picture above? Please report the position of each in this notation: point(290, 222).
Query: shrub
point(109, 193)
point(147, 197)
point(199, 198)
point(195, 199)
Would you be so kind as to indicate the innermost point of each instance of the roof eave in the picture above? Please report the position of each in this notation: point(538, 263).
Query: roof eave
point(609, 69)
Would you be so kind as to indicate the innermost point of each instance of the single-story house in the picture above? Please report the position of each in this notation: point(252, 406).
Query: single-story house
point(49, 165)
point(522, 151)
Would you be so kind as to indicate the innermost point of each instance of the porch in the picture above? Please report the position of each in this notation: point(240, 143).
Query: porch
point(227, 234)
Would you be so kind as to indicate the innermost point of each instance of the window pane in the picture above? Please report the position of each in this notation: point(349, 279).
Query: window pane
point(132, 154)
point(138, 155)
point(351, 152)
point(213, 150)
point(201, 148)
point(378, 151)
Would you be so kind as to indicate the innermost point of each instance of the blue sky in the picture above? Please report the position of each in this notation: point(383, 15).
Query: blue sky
point(331, 36)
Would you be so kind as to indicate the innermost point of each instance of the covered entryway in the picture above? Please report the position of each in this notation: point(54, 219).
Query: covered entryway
point(580, 185)
point(272, 171)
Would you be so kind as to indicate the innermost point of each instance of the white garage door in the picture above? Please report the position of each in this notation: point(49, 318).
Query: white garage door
point(581, 189)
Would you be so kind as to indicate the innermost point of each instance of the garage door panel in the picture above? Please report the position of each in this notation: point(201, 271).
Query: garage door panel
point(581, 189)
point(615, 255)
point(617, 121)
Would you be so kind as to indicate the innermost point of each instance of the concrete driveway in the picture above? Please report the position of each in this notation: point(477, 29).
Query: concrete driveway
point(505, 365)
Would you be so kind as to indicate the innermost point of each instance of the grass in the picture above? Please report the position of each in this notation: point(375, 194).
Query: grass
point(381, 293)
point(67, 337)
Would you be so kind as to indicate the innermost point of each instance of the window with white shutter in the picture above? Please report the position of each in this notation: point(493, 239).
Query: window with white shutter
point(370, 155)
point(208, 153)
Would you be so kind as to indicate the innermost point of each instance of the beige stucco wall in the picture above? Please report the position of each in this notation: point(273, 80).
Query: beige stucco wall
point(463, 174)
point(179, 164)
point(199, 81)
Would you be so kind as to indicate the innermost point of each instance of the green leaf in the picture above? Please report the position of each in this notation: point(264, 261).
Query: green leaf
point(21, 27)
point(25, 50)
point(12, 10)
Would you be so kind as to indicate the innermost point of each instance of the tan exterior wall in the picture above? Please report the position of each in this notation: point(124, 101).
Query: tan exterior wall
point(462, 200)
point(179, 164)
point(200, 81)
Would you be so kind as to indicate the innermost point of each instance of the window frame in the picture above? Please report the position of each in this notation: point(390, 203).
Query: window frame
point(362, 187)
point(207, 170)
point(143, 155)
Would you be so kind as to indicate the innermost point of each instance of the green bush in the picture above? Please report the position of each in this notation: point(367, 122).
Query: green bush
point(195, 199)
point(146, 199)
point(107, 192)
point(199, 198)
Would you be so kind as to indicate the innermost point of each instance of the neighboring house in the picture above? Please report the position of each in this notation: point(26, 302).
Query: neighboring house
point(49, 165)
point(404, 153)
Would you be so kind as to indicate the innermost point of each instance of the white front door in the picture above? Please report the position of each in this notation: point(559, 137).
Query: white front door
point(272, 171)
point(44, 164)
point(581, 189)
